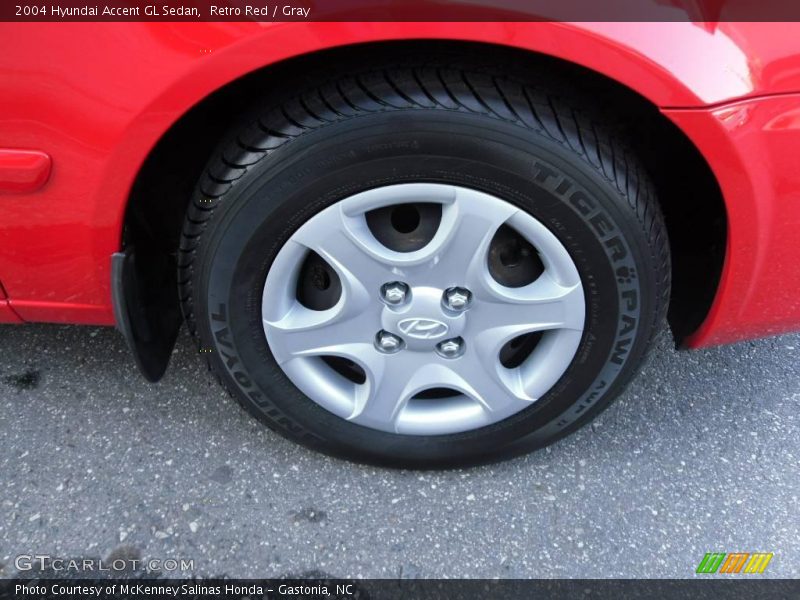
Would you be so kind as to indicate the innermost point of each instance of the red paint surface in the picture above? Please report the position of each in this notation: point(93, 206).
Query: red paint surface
point(7, 315)
point(97, 96)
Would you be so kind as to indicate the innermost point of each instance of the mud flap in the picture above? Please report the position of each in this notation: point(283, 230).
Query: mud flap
point(146, 309)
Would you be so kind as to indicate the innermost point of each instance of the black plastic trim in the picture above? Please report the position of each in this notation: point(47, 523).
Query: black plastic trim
point(147, 315)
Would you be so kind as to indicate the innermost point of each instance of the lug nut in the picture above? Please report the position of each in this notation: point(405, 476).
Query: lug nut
point(394, 293)
point(452, 348)
point(457, 298)
point(387, 342)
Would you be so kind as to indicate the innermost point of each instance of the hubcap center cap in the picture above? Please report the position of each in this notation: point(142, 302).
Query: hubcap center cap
point(423, 322)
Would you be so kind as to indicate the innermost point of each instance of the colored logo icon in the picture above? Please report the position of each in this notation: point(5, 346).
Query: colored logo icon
point(734, 562)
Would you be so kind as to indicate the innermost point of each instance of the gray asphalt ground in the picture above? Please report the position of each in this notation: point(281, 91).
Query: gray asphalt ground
point(701, 454)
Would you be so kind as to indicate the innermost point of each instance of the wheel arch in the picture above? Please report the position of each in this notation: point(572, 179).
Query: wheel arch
point(151, 224)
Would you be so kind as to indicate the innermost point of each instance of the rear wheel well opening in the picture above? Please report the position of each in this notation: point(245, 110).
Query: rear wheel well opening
point(688, 192)
point(695, 216)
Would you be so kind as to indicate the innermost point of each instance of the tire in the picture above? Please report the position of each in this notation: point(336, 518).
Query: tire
point(470, 130)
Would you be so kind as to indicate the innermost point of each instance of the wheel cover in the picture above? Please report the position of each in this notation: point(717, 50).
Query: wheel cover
point(482, 390)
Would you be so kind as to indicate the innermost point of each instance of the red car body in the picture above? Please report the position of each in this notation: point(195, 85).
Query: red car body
point(82, 105)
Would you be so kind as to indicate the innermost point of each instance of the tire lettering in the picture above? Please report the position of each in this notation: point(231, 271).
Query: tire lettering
point(245, 383)
point(582, 203)
point(631, 300)
point(601, 224)
point(618, 251)
point(563, 187)
point(223, 337)
point(628, 324)
point(230, 360)
point(620, 351)
point(542, 172)
point(220, 315)
point(625, 273)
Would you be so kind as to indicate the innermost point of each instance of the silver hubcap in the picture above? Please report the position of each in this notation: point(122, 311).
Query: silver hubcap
point(428, 319)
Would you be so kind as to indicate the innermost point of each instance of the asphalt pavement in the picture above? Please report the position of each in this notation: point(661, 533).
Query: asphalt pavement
point(701, 454)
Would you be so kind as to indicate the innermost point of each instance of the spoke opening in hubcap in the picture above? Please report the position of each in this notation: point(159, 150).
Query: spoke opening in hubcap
point(318, 285)
point(513, 260)
point(405, 227)
point(436, 393)
point(346, 368)
point(423, 309)
point(516, 351)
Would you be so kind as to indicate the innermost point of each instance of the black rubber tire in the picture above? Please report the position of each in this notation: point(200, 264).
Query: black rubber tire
point(471, 126)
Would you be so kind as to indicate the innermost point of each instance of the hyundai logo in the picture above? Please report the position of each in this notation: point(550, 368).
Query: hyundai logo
point(423, 329)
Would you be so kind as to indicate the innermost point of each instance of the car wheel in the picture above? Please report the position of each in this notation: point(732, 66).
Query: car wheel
point(424, 266)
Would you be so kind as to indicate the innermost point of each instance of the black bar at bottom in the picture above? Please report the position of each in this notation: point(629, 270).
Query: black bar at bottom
point(390, 589)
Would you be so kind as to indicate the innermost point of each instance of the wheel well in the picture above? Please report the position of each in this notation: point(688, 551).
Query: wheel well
point(688, 192)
